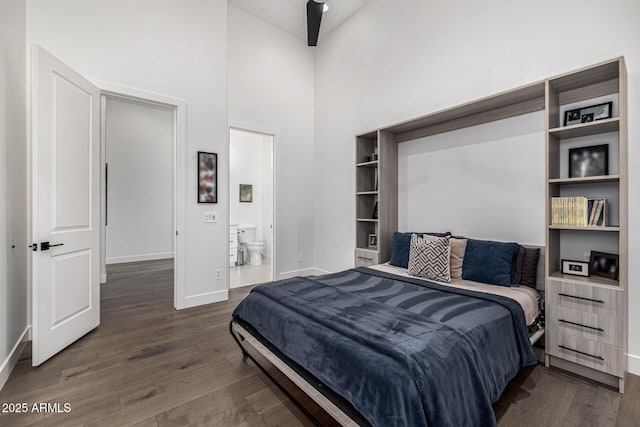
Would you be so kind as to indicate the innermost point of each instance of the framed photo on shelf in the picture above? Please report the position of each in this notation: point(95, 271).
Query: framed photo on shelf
point(246, 193)
point(588, 114)
point(373, 241)
point(576, 268)
point(589, 161)
point(604, 265)
point(207, 177)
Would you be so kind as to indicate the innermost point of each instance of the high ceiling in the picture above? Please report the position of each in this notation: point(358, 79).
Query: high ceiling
point(290, 15)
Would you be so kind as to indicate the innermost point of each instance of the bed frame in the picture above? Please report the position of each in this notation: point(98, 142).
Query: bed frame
point(336, 406)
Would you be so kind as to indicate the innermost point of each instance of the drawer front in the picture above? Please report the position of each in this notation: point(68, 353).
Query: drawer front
point(592, 354)
point(591, 299)
point(364, 258)
point(233, 240)
point(233, 257)
point(596, 327)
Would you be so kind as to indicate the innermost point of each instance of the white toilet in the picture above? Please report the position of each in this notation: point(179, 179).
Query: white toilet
point(247, 235)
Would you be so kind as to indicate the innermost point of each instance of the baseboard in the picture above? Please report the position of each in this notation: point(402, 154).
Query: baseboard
point(583, 371)
point(634, 364)
point(103, 279)
point(312, 271)
point(137, 258)
point(206, 298)
point(12, 359)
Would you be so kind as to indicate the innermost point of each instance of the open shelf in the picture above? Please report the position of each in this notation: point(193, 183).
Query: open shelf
point(586, 179)
point(591, 280)
point(586, 129)
point(584, 228)
point(370, 164)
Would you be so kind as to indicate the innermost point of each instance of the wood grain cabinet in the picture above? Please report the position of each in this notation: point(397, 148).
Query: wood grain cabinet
point(586, 317)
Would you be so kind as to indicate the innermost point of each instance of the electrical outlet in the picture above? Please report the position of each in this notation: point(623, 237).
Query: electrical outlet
point(300, 257)
point(218, 274)
point(210, 217)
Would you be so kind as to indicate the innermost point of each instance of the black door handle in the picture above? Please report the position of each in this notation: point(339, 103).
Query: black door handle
point(44, 246)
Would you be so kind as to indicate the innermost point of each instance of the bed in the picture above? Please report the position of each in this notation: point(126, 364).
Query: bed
point(373, 345)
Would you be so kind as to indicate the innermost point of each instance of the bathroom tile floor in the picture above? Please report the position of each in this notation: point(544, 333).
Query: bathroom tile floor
point(244, 275)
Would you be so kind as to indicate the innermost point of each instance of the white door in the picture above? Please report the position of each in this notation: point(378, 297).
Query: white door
point(66, 206)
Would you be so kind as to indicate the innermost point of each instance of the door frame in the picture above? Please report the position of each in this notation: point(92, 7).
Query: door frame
point(179, 107)
point(273, 133)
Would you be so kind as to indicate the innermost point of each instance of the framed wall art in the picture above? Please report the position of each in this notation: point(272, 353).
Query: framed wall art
point(576, 268)
point(588, 114)
point(604, 265)
point(207, 177)
point(589, 161)
point(246, 193)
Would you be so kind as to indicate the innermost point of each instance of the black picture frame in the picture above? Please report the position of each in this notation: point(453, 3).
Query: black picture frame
point(591, 113)
point(589, 161)
point(374, 214)
point(373, 241)
point(207, 177)
point(246, 193)
point(575, 268)
point(604, 265)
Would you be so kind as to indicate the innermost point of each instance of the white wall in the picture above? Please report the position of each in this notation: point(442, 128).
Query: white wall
point(14, 307)
point(140, 153)
point(484, 181)
point(397, 60)
point(246, 153)
point(271, 84)
point(174, 48)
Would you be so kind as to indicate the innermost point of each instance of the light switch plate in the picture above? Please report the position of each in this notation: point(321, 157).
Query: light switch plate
point(210, 217)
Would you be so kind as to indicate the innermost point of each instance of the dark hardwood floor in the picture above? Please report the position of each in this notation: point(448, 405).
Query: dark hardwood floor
point(149, 365)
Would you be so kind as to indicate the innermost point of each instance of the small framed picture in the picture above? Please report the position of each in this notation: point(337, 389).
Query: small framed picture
point(588, 114)
point(373, 241)
point(589, 161)
point(576, 268)
point(207, 177)
point(374, 214)
point(246, 193)
point(604, 265)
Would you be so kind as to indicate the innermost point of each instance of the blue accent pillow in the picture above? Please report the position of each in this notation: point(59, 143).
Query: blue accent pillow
point(487, 261)
point(400, 247)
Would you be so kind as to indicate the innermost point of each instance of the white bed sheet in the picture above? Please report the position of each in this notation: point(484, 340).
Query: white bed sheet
point(525, 296)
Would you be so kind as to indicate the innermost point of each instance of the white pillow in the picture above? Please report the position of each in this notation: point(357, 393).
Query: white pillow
point(429, 258)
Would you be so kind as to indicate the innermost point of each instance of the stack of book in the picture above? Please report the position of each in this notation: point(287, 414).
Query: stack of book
point(578, 211)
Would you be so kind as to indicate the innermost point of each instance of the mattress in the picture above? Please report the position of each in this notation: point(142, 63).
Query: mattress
point(527, 297)
point(402, 351)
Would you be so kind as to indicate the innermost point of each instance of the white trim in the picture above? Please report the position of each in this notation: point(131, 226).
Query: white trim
point(274, 134)
point(634, 364)
point(312, 271)
point(136, 258)
point(206, 298)
point(180, 146)
point(103, 279)
point(11, 360)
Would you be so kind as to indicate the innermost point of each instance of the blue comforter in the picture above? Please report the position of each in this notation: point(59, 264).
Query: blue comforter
point(403, 351)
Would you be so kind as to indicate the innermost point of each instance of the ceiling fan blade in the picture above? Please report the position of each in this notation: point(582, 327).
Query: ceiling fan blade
point(314, 16)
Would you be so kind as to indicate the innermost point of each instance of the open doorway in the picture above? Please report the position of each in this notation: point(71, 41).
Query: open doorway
point(139, 152)
point(251, 207)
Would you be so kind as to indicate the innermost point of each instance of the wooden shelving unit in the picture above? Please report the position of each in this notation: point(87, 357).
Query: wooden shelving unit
point(377, 183)
point(595, 301)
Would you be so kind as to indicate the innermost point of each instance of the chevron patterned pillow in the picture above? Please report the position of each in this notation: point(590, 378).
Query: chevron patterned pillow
point(430, 259)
